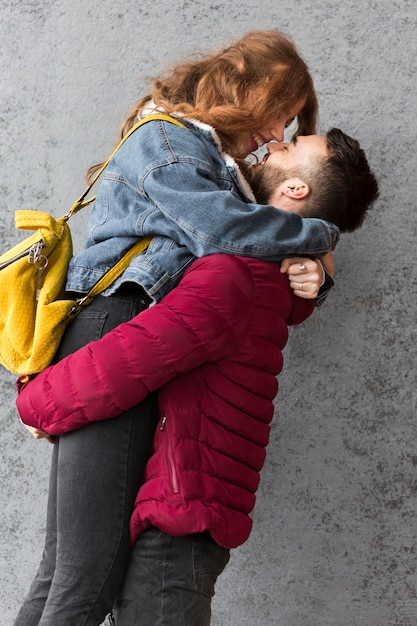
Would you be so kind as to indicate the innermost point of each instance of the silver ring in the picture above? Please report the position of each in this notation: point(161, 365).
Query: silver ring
point(300, 288)
point(302, 267)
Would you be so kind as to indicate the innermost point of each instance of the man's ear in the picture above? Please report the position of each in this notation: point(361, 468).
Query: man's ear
point(295, 188)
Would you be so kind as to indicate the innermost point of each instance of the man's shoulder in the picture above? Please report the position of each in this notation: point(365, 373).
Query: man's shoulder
point(226, 266)
point(227, 273)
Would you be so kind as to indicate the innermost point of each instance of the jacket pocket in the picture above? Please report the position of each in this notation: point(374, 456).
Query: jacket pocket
point(169, 454)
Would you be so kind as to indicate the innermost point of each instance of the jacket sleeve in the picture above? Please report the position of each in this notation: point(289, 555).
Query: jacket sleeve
point(201, 320)
point(301, 310)
point(324, 289)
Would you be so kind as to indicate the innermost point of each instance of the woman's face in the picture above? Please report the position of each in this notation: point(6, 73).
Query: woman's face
point(273, 131)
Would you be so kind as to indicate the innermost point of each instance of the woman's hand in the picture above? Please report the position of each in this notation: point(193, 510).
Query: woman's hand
point(306, 275)
point(39, 434)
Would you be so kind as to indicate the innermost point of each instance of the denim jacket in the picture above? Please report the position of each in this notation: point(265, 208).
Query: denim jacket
point(177, 185)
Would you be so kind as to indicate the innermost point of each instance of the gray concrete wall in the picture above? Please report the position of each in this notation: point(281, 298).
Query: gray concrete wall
point(335, 525)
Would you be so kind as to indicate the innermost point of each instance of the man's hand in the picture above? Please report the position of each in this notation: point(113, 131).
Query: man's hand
point(39, 434)
point(306, 275)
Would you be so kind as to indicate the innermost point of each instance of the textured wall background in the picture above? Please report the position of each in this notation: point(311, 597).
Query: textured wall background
point(335, 525)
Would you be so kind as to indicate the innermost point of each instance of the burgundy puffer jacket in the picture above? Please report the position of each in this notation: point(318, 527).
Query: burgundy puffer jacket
point(215, 344)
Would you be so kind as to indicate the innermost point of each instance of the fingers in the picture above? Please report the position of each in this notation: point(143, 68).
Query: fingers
point(38, 434)
point(307, 290)
point(290, 264)
point(299, 265)
point(305, 275)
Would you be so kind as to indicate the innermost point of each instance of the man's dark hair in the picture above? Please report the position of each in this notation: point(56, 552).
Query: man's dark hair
point(343, 187)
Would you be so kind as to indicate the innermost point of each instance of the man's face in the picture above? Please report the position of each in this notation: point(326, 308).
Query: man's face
point(284, 175)
point(300, 153)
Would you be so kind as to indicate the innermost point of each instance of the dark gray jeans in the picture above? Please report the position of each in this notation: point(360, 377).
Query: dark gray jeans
point(170, 580)
point(95, 475)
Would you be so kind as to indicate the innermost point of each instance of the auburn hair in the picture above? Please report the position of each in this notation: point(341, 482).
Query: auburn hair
point(241, 88)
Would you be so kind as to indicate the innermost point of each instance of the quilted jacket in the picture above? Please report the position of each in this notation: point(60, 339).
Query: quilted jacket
point(214, 344)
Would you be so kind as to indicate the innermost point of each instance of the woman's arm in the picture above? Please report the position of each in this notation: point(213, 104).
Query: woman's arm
point(203, 208)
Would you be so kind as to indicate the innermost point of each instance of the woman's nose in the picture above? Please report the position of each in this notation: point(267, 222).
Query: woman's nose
point(278, 132)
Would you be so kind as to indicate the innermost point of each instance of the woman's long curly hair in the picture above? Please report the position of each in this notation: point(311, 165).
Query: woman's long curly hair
point(241, 88)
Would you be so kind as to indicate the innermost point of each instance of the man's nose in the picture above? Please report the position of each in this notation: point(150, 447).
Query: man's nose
point(275, 146)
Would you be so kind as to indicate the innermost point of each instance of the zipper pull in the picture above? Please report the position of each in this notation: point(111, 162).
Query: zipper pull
point(35, 256)
point(40, 261)
point(163, 422)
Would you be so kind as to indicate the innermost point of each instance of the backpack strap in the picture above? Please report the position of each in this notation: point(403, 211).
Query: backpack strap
point(118, 268)
point(81, 202)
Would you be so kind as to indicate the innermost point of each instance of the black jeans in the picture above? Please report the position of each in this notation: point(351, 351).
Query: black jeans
point(170, 580)
point(95, 475)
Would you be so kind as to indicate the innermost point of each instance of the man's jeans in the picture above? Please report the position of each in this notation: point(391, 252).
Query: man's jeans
point(95, 475)
point(170, 580)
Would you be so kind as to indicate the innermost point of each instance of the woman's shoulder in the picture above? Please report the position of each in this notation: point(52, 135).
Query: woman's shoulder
point(177, 135)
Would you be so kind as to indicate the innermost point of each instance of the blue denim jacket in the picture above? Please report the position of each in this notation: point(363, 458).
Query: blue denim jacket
point(177, 185)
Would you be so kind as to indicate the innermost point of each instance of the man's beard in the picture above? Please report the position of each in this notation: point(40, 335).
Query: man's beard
point(265, 179)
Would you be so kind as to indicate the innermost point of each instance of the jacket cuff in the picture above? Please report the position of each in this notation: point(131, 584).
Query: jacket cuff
point(22, 381)
point(327, 285)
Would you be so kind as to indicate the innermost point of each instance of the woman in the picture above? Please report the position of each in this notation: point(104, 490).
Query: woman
point(185, 187)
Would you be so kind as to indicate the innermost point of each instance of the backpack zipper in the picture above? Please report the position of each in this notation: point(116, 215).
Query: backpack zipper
point(34, 254)
point(35, 258)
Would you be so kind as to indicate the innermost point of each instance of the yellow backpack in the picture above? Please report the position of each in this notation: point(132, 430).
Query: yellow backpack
point(33, 315)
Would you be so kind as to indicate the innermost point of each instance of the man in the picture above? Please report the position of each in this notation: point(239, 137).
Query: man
point(213, 348)
point(318, 176)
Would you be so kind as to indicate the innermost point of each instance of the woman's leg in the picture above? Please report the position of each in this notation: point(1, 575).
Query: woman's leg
point(170, 580)
point(32, 608)
point(98, 472)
